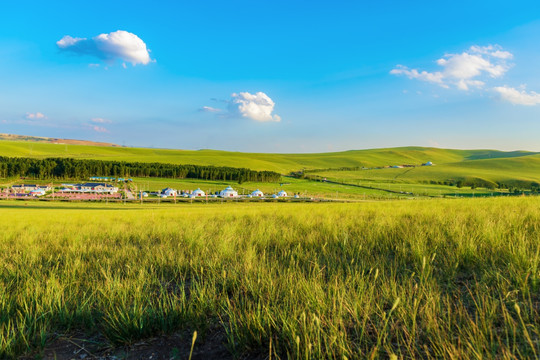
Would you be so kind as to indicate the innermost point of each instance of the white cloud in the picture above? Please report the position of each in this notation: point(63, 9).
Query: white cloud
point(100, 121)
point(492, 50)
point(99, 129)
point(258, 107)
point(120, 44)
point(210, 109)
point(464, 84)
point(436, 78)
point(35, 116)
point(518, 97)
point(463, 70)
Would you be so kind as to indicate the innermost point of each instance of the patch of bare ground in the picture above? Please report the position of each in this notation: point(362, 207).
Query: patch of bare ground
point(166, 347)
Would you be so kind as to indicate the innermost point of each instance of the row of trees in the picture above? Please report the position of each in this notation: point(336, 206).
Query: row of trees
point(66, 168)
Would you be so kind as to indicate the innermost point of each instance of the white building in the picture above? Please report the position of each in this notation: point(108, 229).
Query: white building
point(97, 188)
point(282, 193)
point(38, 192)
point(257, 193)
point(228, 192)
point(27, 188)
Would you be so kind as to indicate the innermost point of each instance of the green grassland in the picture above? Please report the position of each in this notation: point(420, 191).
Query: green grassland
point(455, 279)
point(283, 163)
point(290, 185)
point(525, 169)
point(517, 169)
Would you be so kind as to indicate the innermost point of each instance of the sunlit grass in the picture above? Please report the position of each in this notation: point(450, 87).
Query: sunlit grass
point(439, 278)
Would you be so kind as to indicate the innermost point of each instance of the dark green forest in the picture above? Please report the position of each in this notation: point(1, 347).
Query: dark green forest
point(66, 168)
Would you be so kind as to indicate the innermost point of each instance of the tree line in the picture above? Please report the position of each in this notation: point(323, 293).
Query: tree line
point(68, 168)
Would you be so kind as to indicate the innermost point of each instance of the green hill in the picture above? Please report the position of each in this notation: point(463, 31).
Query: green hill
point(489, 165)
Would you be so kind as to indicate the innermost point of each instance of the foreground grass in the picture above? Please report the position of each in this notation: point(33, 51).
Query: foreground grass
point(429, 279)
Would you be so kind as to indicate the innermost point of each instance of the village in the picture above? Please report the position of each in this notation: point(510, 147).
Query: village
point(119, 189)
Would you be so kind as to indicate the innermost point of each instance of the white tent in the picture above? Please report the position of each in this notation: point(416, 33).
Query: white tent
point(169, 192)
point(198, 193)
point(228, 192)
point(282, 194)
point(257, 193)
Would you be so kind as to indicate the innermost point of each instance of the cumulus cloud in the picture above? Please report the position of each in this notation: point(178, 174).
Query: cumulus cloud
point(257, 107)
point(464, 70)
point(35, 116)
point(120, 44)
point(518, 97)
point(100, 121)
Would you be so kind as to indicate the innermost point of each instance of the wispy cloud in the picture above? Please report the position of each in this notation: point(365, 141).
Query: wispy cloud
point(100, 121)
point(100, 129)
point(35, 116)
point(210, 109)
point(470, 68)
point(518, 97)
point(120, 44)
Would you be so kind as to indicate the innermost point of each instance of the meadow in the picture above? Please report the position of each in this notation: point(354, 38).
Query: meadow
point(456, 279)
point(290, 185)
point(491, 165)
point(353, 175)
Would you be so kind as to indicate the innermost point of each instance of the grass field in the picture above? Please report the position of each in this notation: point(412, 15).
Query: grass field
point(518, 170)
point(489, 163)
point(425, 279)
point(290, 185)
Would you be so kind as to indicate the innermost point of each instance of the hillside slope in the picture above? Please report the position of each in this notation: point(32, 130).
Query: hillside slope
point(40, 139)
point(283, 163)
point(509, 170)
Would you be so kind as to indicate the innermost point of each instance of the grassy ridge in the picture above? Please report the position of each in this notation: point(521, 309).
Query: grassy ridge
point(283, 163)
point(439, 279)
point(524, 169)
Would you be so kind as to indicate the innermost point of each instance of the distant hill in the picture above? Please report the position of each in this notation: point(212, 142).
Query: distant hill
point(40, 139)
point(490, 165)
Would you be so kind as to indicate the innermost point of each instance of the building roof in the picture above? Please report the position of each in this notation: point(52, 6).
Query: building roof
point(95, 184)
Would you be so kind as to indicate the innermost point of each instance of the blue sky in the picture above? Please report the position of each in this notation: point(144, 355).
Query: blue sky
point(274, 76)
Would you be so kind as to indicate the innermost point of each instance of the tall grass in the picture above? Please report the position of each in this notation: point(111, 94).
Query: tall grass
point(425, 279)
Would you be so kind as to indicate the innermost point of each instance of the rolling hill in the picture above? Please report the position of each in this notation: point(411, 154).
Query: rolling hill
point(490, 165)
point(41, 139)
